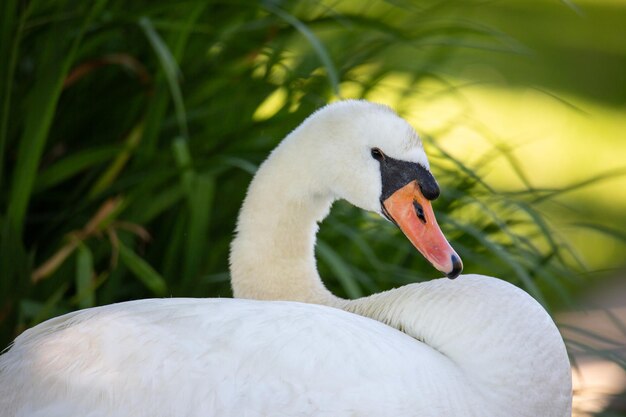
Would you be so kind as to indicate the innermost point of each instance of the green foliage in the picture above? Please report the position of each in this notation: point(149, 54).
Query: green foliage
point(129, 132)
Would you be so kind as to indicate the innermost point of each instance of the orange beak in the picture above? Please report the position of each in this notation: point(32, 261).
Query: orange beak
point(413, 213)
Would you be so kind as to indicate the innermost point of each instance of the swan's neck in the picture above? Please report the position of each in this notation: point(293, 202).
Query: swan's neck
point(273, 254)
point(501, 340)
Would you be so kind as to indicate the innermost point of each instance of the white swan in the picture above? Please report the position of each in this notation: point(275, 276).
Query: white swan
point(476, 346)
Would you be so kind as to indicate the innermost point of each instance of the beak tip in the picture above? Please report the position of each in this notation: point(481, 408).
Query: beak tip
point(457, 267)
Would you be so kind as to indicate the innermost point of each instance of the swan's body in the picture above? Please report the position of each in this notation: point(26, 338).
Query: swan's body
point(476, 346)
point(195, 357)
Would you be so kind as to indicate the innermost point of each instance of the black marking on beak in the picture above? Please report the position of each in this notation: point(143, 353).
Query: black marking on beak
point(396, 173)
point(428, 184)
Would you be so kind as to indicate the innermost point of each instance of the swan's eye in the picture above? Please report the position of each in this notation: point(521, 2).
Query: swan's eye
point(377, 154)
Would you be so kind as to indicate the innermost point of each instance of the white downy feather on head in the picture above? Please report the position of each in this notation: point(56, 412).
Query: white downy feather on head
point(339, 137)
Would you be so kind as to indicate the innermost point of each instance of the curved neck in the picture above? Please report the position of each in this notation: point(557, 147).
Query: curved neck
point(496, 334)
point(499, 337)
point(273, 253)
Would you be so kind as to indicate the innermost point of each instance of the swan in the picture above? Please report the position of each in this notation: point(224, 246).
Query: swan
point(286, 346)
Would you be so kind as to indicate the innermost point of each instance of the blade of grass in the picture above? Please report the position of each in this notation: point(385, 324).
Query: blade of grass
point(84, 276)
point(158, 104)
point(171, 71)
point(118, 164)
point(72, 165)
point(182, 156)
point(200, 201)
point(561, 100)
point(552, 193)
point(340, 268)
point(199, 190)
point(95, 284)
point(361, 243)
point(573, 6)
point(142, 270)
point(316, 44)
point(547, 233)
point(501, 253)
point(609, 355)
point(459, 164)
point(242, 164)
point(591, 335)
point(616, 234)
point(160, 203)
point(55, 261)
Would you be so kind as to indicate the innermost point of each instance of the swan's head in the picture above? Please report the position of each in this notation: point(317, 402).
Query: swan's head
point(375, 160)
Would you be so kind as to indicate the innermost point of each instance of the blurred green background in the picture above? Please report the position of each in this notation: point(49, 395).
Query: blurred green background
point(129, 132)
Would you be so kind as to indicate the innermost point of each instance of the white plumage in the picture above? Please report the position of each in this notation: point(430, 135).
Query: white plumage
point(476, 346)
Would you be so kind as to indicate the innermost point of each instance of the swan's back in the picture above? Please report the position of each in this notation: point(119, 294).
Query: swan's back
point(197, 357)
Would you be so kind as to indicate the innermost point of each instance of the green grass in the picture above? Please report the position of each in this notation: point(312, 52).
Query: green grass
point(129, 133)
